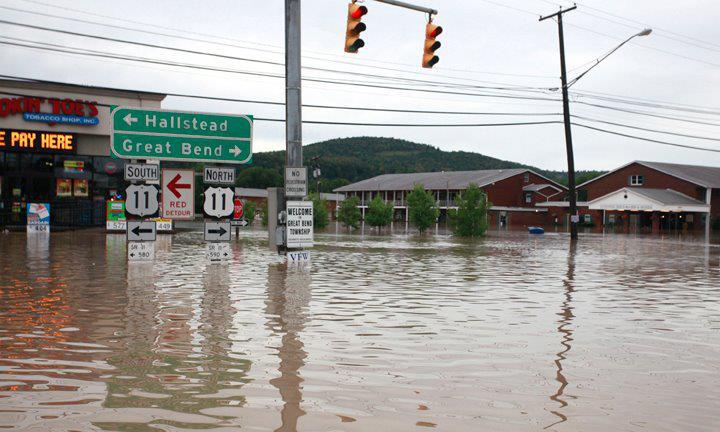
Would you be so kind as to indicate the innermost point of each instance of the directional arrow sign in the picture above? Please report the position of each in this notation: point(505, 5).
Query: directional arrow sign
point(178, 194)
point(141, 231)
point(140, 133)
point(142, 200)
point(219, 202)
point(217, 231)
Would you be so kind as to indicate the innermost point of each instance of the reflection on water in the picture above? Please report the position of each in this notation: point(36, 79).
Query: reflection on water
point(400, 333)
point(565, 331)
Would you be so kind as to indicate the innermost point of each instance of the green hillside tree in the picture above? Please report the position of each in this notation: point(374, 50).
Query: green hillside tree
point(379, 212)
point(470, 218)
point(422, 208)
point(349, 212)
point(249, 211)
point(259, 177)
point(320, 212)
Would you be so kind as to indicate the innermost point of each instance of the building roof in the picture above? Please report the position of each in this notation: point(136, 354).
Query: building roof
point(705, 176)
point(639, 199)
point(75, 88)
point(538, 187)
point(456, 180)
point(666, 196)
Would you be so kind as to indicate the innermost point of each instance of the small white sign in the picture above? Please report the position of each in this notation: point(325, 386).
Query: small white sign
point(116, 225)
point(142, 172)
point(163, 225)
point(298, 257)
point(219, 202)
point(215, 175)
point(139, 231)
point(240, 222)
point(574, 218)
point(141, 251)
point(217, 231)
point(218, 252)
point(296, 182)
point(299, 224)
point(141, 200)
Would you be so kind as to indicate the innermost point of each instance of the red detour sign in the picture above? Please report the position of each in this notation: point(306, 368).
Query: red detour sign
point(238, 209)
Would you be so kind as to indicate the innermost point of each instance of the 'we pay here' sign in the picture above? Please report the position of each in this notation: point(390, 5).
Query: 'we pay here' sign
point(299, 224)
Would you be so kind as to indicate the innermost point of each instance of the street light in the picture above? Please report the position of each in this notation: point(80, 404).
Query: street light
point(645, 32)
point(572, 194)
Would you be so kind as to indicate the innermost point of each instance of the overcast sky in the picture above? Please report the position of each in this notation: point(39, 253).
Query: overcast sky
point(484, 44)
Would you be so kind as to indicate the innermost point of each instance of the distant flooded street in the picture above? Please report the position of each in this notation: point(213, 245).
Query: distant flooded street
point(379, 333)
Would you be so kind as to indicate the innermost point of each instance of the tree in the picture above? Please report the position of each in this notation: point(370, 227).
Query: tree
point(249, 211)
point(379, 212)
point(320, 212)
point(260, 178)
point(264, 214)
point(470, 218)
point(349, 213)
point(422, 208)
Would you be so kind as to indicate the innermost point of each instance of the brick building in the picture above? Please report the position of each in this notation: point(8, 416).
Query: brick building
point(646, 196)
point(513, 193)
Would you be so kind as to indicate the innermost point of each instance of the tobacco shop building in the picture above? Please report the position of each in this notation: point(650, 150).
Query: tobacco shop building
point(55, 148)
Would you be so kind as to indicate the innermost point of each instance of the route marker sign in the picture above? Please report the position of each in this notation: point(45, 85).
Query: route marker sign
point(216, 175)
point(218, 252)
point(178, 194)
point(141, 251)
point(219, 202)
point(142, 172)
point(142, 133)
point(141, 200)
point(140, 231)
point(296, 182)
point(217, 231)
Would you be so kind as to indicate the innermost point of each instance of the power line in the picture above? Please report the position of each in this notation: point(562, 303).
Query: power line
point(645, 129)
point(337, 107)
point(646, 139)
point(455, 125)
point(101, 54)
point(185, 31)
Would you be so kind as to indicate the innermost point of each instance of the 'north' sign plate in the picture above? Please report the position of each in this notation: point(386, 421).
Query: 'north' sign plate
point(139, 133)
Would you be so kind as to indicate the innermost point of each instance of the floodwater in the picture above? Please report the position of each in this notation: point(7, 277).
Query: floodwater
point(379, 333)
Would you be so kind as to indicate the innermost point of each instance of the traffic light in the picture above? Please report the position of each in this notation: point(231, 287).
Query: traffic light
point(354, 27)
point(431, 45)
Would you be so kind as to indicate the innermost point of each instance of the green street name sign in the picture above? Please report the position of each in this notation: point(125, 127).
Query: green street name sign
point(139, 133)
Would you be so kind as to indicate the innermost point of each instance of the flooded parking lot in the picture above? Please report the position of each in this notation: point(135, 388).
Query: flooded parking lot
point(380, 333)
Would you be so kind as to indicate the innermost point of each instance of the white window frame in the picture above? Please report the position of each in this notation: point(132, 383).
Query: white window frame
point(637, 180)
point(528, 197)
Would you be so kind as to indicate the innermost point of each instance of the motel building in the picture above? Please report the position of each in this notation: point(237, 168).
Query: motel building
point(55, 148)
point(649, 197)
point(514, 193)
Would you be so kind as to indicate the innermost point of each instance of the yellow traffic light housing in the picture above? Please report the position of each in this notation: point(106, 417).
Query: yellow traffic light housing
point(354, 27)
point(431, 45)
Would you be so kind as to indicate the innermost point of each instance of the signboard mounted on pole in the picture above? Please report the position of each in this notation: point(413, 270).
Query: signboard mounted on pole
point(299, 224)
point(296, 182)
point(178, 194)
point(142, 133)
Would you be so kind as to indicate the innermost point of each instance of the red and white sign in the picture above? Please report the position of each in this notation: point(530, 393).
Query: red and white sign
point(238, 209)
point(178, 194)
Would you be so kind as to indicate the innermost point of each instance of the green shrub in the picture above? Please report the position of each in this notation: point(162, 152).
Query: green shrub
point(349, 212)
point(320, 212)
point(422, 208)
point(470, 218)
point(379, 212)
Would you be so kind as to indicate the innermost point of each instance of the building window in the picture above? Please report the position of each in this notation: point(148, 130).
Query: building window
point(528, 197)
point(526, 178)
point(637, 180)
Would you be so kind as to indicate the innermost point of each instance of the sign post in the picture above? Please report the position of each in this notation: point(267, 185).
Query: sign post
point(142, 133)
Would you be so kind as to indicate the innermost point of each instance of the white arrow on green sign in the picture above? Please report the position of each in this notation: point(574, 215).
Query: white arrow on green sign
point(139, 133)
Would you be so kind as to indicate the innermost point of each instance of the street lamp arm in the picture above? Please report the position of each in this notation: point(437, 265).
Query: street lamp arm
point(599, 60)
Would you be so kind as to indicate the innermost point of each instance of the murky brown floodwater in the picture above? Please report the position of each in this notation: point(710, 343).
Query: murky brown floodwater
point(511, 333)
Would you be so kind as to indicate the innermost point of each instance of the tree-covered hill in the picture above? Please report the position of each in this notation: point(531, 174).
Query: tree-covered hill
point(347, 160)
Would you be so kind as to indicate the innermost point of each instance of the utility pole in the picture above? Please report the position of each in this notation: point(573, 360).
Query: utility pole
point(293, 101)
point(568, 132)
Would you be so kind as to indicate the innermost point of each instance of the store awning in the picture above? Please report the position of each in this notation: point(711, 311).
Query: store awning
point(644, 199)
